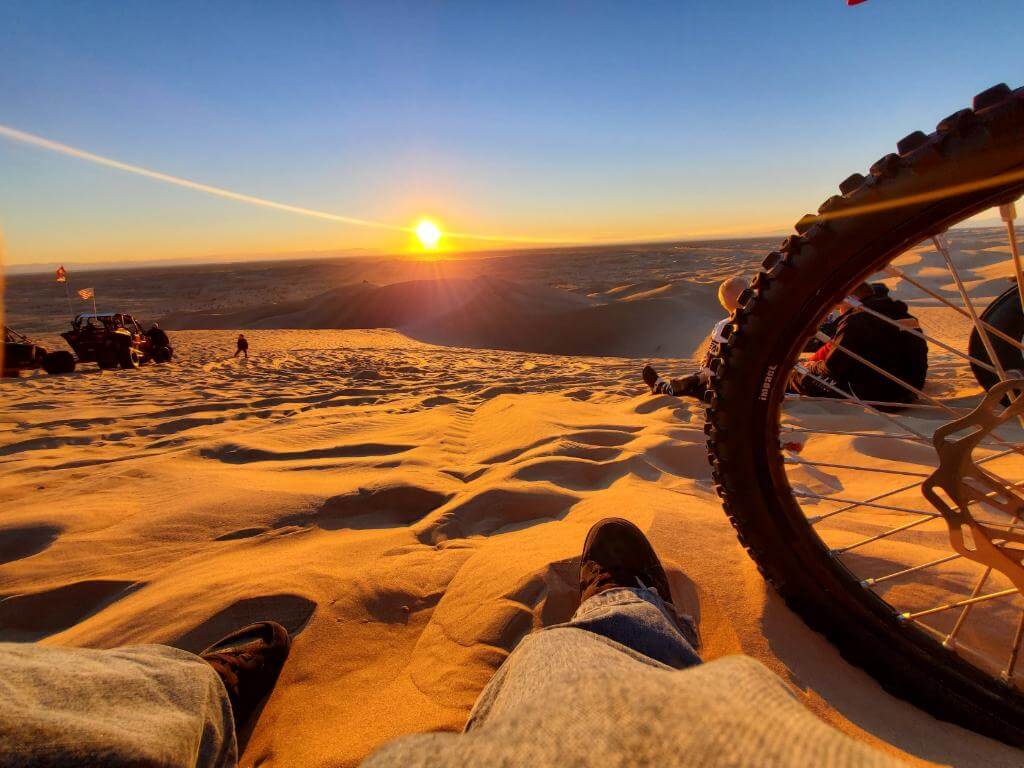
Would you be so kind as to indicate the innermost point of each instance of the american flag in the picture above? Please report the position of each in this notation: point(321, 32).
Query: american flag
point(62, 274)
point(86, 293)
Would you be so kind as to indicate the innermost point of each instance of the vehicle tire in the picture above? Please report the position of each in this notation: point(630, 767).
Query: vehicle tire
point(1005, 314)
point(853, 235)
point(163, 354)
point(130, 357)
point(60, 361)
point(108, 357)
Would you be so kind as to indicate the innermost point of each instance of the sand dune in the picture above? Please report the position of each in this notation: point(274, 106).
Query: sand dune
point(410, 510)
point(635, 320)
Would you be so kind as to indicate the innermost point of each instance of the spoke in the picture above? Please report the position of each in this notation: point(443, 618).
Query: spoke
point(854, 398)
point(958, 603)
point(978, 585)
point(873, 435)
point(1007, 673)
point(895, 379)
point(887, 494)
point(885, 534)
point(880, 403)
point(896, 574)
point(940, 246)
point(897, 272)
point(950, 638)
point(896, 421)
point(879, 435)
point(1008, 213)
point(907, 473)
point(921, 334)
point(854, 503)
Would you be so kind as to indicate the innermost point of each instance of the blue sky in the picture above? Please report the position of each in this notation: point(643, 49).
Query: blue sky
point(538, 120)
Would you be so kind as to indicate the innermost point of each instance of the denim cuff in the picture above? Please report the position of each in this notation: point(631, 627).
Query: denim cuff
point(633, 595)
point(621, 596)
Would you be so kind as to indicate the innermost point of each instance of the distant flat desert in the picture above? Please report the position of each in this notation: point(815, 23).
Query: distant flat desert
point(403, 473)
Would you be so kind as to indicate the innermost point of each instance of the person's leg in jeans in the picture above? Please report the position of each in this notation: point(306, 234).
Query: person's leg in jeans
point(624, 600)
point(620, 684)
point(147, 705)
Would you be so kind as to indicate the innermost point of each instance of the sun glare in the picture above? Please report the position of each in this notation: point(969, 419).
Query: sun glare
point(428, 234)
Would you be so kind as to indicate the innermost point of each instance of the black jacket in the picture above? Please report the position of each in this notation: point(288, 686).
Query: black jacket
point(900, 353)
point(158, 337)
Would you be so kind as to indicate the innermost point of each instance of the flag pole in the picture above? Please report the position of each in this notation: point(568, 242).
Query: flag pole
point(94, 302)
point(67, 295)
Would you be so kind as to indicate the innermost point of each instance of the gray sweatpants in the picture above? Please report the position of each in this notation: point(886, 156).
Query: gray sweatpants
point(145, 705)
point(618, 685)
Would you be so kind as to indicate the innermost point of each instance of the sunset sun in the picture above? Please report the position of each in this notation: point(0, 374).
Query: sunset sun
point(428, 234)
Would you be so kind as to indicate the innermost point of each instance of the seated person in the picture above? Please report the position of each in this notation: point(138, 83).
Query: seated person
point(892, 347)
point(696, 384)
point(620, 683)
point(158, 336)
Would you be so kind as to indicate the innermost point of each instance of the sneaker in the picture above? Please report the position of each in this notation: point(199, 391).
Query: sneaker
point(616, 554)
point(657, 384)
point(248, 662)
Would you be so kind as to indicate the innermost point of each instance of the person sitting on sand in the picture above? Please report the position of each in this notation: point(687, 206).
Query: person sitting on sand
point(872, 327)
point(620, 683)
point(696, 384)
point(158, 336)
point(242, 346)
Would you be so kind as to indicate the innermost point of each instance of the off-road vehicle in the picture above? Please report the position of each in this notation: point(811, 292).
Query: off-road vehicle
point(23, 354)
point(115, 339)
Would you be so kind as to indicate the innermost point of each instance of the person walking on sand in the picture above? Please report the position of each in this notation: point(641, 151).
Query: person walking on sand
point(619, 683)
point(242, 346)
point(696, 384)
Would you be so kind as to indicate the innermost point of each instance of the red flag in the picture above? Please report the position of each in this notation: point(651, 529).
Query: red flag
point(62, 274)
point(855, 2)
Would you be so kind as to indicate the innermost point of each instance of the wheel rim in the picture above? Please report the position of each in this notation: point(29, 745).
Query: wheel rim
point(858, 484)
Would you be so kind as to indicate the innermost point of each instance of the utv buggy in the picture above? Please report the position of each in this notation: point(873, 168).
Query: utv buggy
point(116, 339)
point(23, 354)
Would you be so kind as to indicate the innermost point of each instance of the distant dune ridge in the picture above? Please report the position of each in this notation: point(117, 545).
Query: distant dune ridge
point(650, 319)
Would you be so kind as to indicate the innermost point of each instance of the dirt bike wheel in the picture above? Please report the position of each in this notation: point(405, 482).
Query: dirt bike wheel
point(976, 159)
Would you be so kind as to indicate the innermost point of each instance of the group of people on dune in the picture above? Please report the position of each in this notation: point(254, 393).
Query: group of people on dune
point(870, 348)
point(620, 683)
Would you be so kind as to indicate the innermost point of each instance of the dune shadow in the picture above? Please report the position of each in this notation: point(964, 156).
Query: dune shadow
point(35, 615)
point(229, 453)
point(817, 666)
point(291, 611)
point(366, 509)
point(25, 541)
point(584, 475)
point(497, 510)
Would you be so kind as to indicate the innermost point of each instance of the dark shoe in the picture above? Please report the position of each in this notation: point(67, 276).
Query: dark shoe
point(657, 384)
point(617, 554)
point(248, 662)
